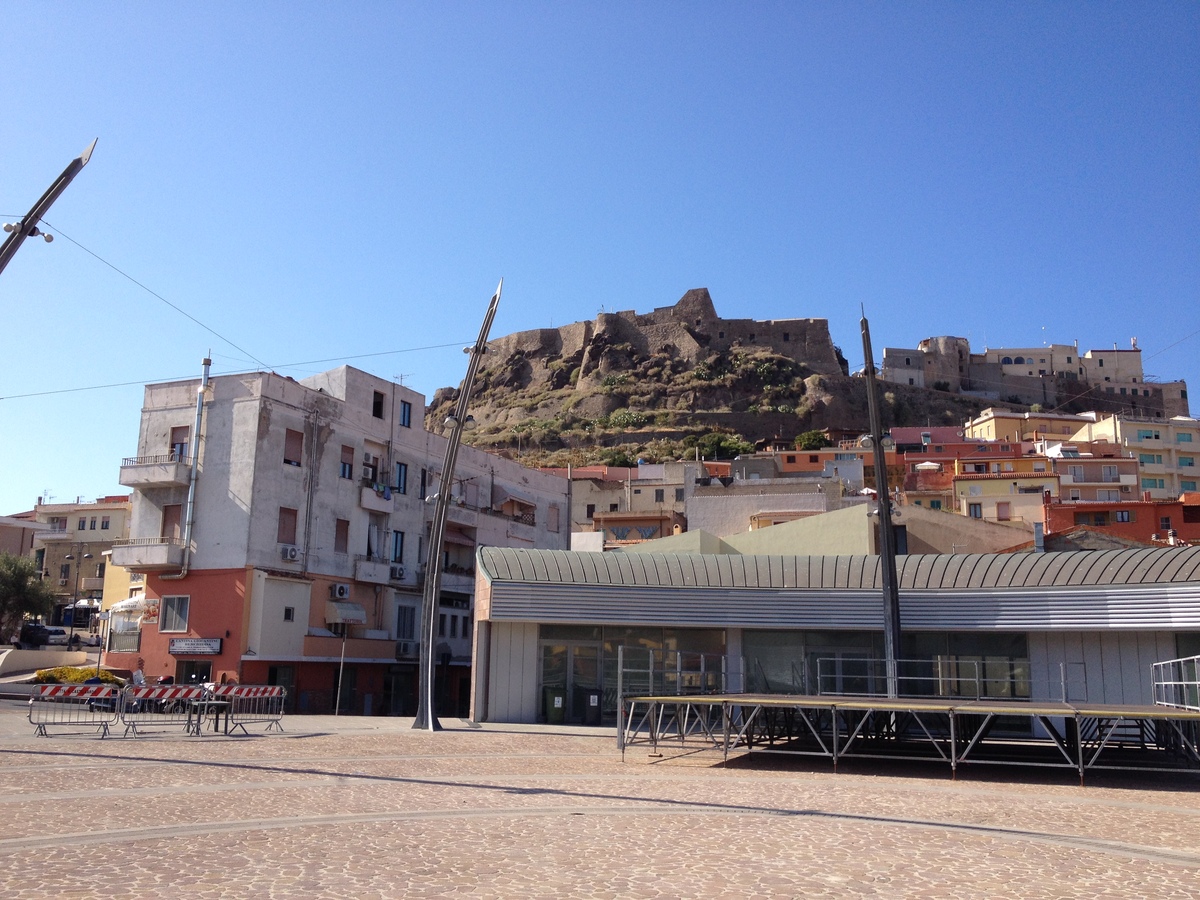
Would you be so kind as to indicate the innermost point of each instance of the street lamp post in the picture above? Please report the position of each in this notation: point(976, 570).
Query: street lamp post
point(78, 563)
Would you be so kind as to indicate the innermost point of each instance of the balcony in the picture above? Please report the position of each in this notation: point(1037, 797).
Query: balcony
point(372, 570)
point(375, 500)
point(166, 470)
point(54, 534)
point(91, 584)
point(148, 554)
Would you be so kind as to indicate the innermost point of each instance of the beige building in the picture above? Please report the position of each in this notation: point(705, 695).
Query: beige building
point(72, 553)
point(1006, 425)
point(1167, 451)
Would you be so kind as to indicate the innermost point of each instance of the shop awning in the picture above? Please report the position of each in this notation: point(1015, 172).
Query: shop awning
point(502, 494)
point(342, 613)
point(457, 537)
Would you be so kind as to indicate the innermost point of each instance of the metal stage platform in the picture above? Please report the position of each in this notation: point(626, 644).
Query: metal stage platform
point(1078, 736)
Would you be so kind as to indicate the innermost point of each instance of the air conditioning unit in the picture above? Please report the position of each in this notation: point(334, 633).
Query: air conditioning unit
point(369, 473)
point(290, 554)
point(404, 649)
point(340, 591)
point(1126, 489)
point(397, 573)
point(62, 581)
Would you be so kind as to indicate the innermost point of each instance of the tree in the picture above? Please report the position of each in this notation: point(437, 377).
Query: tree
point(813, 440)
point(22, 593)
point(716, 445)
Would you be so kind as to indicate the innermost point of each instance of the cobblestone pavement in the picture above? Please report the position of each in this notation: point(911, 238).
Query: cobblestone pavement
point(370, 808)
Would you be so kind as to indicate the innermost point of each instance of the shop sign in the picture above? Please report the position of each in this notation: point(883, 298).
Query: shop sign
point(195, 646)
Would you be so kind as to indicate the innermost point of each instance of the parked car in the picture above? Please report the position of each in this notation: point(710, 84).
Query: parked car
point(56, 636)
point(31, 636)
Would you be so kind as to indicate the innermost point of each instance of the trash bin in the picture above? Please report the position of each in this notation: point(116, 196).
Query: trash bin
point(591, 706)
point(555, 704)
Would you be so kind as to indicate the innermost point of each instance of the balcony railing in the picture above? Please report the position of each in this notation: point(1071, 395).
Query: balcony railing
point(124, 641)
point(159, 460)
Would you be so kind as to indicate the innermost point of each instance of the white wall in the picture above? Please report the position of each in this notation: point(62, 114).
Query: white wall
point(269, 636)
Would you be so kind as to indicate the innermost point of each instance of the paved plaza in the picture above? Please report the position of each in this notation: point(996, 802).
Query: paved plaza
point(367, 807)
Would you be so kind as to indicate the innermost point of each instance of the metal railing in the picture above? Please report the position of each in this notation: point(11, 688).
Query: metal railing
point(124, 641)
point(159, 460)
point(643, 672)
point(1177, 683)
point(148, 542)
point(942, 676)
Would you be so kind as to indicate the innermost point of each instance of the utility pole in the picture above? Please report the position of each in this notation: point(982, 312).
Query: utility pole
point(426, 718)
point(27, 227)
point(887, 536)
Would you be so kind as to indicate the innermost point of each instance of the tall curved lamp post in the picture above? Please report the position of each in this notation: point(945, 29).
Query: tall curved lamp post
point(456, 422)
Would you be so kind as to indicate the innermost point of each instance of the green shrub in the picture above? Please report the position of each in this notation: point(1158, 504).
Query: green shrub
point(74, 675)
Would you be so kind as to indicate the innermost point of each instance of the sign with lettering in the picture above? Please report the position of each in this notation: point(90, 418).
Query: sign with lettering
point(195, 646)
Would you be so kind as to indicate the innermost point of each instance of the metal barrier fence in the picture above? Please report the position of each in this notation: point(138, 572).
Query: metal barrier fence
point(250, 704)
point(159, 706)
point(1177, 683)
point(86, 705)
point(643, 672)
point(139, 709)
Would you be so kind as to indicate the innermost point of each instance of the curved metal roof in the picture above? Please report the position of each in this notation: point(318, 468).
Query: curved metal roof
point(1078, 568)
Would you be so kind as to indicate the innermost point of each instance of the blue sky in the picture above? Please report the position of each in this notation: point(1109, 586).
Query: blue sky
point(325, 181)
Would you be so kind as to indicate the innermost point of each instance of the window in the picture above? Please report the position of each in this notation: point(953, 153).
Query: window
point(1183, 438)
point(289, 614)
point(1076, 472)
point(293, 447)
point(659, 495)
point(1122, 515)
point(406, 623)
point(612, 507)
point(347, 466)
point(1075, 495)
point(1101, 363)
point(174, 616)
point(1004, 511)
point(377, 405)
point(341, 536)
point(552, 517)
point(179, 442)
point(1187, 461)
point(786, 336)
point(1187, 485)
point(82, 523)
point(454, 626)
point(1006, 361)
point(975, 510)
point(1109, 474)
point(64, 571)
point(405, 414)
point(1146, 434)
point(1150, 459)
point(791, 458)
point(1164, 523)
point(812, 458)
point(935, 504)
point(401, 478)
point(92, 524)
point(591, 510)
point(1099, 519)
point(104, 523)
point(678, 495)
point(397, 546)
point(286, 533)
point(1111, 496)
point(1153, 483)
point(1068, 360)
point(442, 625)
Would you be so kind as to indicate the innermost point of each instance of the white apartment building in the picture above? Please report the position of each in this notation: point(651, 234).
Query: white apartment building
point(307, 542)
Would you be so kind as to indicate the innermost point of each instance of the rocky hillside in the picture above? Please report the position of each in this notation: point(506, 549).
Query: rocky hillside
point(659, 385)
